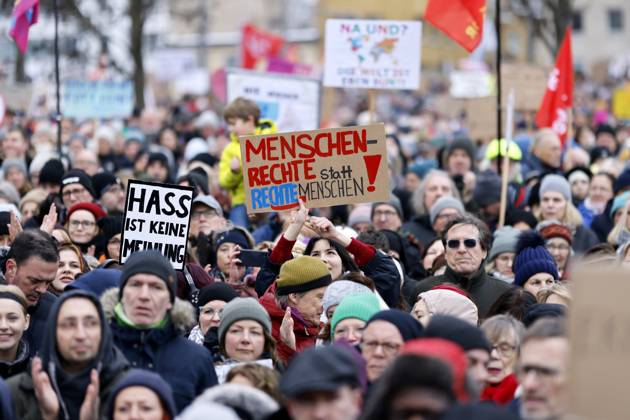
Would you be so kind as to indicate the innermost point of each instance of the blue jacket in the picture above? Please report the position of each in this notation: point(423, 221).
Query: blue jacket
point(6, 404)
point(186, 366)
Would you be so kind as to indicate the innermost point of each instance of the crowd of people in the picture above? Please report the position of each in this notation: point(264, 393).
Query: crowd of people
point(424, 306)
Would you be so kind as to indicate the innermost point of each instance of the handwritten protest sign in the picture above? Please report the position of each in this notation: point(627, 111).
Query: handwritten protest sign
point(375, 54)
point(600, 343)
point(97, 99)
point(291, 101)
point(157, 216)
point(471, 84)
point(322, 167)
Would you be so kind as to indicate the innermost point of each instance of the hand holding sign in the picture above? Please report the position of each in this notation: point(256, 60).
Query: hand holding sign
point(298, 218)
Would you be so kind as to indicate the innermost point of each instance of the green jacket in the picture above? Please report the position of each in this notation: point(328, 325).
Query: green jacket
point(233, 181)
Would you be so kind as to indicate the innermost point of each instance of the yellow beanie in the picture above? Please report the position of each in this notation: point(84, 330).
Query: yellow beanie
point(301, 275)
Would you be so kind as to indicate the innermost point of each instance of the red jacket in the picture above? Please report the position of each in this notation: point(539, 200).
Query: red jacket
point(305, 334)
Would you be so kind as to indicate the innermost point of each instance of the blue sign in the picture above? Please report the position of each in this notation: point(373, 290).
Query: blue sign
point(97, 99)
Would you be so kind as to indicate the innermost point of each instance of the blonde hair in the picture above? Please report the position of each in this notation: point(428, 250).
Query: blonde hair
point(620, 226)
point(17, 292)
point(557, 289)
point(571, 216)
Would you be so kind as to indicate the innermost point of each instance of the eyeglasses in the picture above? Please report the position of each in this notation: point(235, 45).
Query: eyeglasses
point(388, 348)
point(554, 247)
point(543, 373)
point(454, 243)
point(205, 213)
point(75, 192)
point(85, 223)
point(504, 349)
point(211, 312)
point(386, 213)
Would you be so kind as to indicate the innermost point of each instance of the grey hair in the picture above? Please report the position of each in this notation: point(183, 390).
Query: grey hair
point(419, 194)
point(501, 325)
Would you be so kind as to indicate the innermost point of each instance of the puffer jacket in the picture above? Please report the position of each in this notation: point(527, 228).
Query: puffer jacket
point(19, 365)
point(231, 181)
point(186, 366)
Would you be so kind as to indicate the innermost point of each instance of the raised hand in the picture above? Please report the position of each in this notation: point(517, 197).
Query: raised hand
point(236, 271)
point(326, 229)
point(91, 402)
point(14, 227)
point(286, 330)
point(46, 396)
point(50, 220)
point(298, 218)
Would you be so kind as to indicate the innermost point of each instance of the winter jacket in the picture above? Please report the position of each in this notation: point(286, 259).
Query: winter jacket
point(305, 334)
point(19, 365)
point(233, 181)
point(39, 319)
point(482, 288)
point(420, 228)
point(602, 224)
point(6, 405)
point(186, 366)
point(70, 388)
point(374, 264)
point(583, 239)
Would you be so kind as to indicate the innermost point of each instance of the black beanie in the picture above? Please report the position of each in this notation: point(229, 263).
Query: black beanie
point(235, 236)
point(460, 332)
point(111, 225)
point(543, 310)
point(77, 176)
point(149, 262)
point(102, 180)
point(216, 291)
point(51, 172)
point(464, 144)
point(407, 325)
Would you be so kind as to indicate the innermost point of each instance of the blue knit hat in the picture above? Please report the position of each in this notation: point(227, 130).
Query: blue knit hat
point(146, 379)
point(532, 257)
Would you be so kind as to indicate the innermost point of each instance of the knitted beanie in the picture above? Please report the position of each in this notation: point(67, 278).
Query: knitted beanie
point(145, 379)
point(340, 289)
point(102, 181)
point(301, 275)
point(446, 202)
point(360, 214)
point(555, 183)
point(243, 308)
point(96, 210)
point(216, 291)
point(361, 307)
point(618, 203)
point(531, 258)
point(77, 176)
point(460, 332)
point(51, 173)
point(556, 230)
point(393, 201)
point(149, 262)
point(235, 236)
point(504, 241)
point(446, 301)
point(408, 327)
point(487, 189)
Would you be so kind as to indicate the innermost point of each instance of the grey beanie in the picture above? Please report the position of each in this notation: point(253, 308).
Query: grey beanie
point(243, 308)
point(339, 289)
point(210, 202)
point(555, 183)
point(393, 201)
point(14, 163)
point(446, 202)
point(504, 241)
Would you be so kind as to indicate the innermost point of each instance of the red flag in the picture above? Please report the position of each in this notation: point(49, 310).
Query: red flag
point(558, 97)
point(461, 20)
point(257, 44)
point(24, 15)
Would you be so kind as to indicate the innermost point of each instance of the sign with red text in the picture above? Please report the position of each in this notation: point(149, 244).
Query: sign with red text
point(157, 216)
point(373, 54)
point(322, 167)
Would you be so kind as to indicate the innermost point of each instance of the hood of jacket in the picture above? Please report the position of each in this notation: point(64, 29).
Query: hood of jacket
point(183, 314)
point(70, 387)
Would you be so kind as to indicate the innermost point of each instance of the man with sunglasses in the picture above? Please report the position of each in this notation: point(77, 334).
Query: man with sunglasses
point(467, 241)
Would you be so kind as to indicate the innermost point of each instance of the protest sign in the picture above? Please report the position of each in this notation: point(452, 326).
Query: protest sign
point(528, 81)
point(471, 84)
point(374, 54)
point(621, 102)
point(157, 216)
point(322, 167)
point(97, 99)
point(600, 342)
point(291, 101)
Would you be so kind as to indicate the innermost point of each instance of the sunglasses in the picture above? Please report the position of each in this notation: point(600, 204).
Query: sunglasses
point(454, 243)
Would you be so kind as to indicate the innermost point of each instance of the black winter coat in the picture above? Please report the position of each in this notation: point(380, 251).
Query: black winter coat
point(39, 318)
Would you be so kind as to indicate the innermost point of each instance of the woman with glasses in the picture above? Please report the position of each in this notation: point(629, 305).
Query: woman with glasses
point(504, 334)
point(212, 300)
point(558, 239)
point(82, 226)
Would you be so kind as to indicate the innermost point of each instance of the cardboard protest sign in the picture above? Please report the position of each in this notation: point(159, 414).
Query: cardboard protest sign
point(375, 54)
point(471, 84)
point(291, 101)
point(97, 99)
point(157, 216)
point(600, 343)
point(322, 167)
point(528, 81)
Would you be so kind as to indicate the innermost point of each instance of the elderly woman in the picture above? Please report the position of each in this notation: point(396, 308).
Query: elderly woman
point(556, 205)
point(504, 334)
point(445, 300)
point(14, 321)
point(501, 255)
point(212, 300)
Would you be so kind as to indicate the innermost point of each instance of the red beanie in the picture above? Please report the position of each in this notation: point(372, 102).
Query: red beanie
point(447, 352)
point(556, 230)
point(93, 208)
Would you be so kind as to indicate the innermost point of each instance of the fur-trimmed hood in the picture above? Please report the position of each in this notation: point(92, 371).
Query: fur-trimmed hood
point(183, 314)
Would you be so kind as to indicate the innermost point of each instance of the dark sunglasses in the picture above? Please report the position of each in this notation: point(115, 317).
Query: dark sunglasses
point(454, 243)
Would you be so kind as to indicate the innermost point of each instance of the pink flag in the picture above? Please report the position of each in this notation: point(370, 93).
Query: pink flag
point(24, 15)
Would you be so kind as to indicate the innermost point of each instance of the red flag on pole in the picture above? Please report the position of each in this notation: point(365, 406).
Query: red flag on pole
point(558, 97)
point(257, 44)
point(461, 20)
point(24, 15)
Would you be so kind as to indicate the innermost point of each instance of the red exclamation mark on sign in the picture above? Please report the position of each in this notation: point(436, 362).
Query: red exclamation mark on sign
point(371, 164)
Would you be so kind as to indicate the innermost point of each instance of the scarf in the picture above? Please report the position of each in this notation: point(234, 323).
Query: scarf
point(124, 321)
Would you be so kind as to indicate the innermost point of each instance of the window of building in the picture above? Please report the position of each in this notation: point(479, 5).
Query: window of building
point(577, 21)
point(615, 20)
